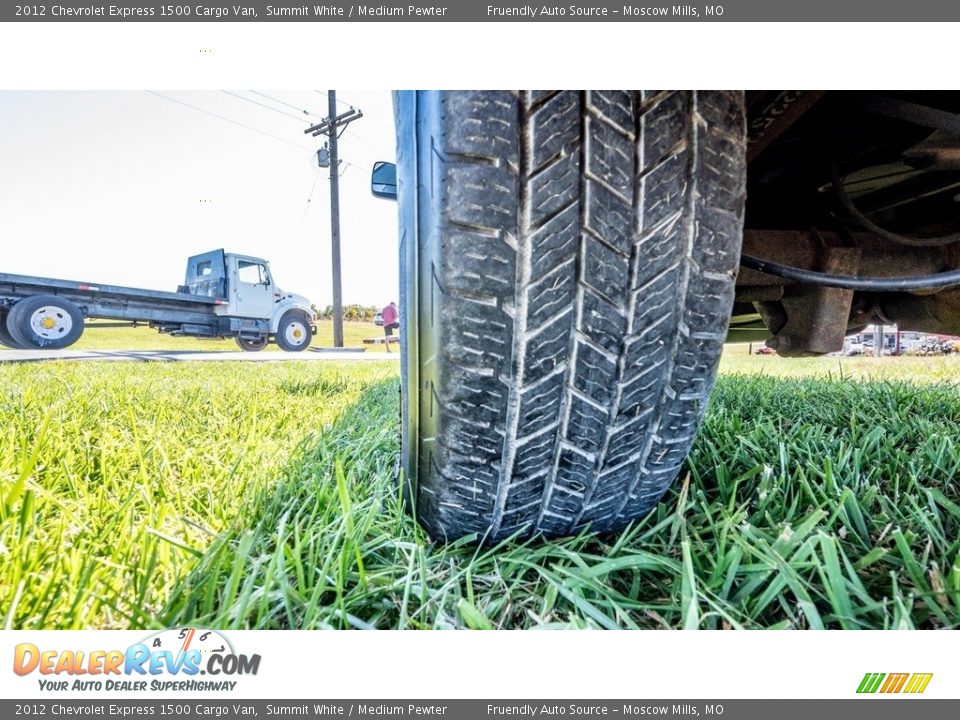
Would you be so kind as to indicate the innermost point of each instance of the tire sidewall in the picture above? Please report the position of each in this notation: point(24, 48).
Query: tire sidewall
point(6, 338)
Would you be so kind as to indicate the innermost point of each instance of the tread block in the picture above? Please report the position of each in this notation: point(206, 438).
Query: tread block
point(476, 337)
point(608, 217)
point(541, 405)
point(481, 196)
point(601, 322)
point(664, 190)
point(664, 127)
point(479, 409)
point(610, 158)
point(555, 243)
point(478, 264)
point(484, 124)
point(595, 374)
point(605, 271)
point(547, 350)
point(624, 442)
point(585, 428)
point(533, 456)
point(554, 129)
point(554, 188)
point(616, 106)
point(567, 492)
point(551, 297)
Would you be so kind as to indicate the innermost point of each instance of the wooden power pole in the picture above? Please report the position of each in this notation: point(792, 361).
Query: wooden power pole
point(330, 126)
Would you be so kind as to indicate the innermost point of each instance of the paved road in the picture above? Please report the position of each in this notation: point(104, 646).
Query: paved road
point(311, 355)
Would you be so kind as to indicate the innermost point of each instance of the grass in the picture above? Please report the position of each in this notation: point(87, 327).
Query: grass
point(143, 338)
point(153, 497)
point(922, 370)
point(115, 478)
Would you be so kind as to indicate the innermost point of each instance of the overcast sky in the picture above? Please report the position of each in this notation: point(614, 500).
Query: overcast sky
point(121, 187)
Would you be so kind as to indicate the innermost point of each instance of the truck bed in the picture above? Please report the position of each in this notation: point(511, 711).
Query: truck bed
point(29, 285)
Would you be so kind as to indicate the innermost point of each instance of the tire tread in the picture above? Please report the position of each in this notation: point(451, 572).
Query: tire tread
point(576, 280)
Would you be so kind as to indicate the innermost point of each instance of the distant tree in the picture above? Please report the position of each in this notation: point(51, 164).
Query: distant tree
point(353, 312)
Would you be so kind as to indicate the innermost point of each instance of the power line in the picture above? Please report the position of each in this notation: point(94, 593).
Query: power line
point(302, 110)
point(306, 207)
point(265, 107)
point(232, 122)
point(286, 104)
point(342, 102)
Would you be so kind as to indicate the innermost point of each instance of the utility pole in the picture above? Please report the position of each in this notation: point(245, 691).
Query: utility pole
point(330, 126)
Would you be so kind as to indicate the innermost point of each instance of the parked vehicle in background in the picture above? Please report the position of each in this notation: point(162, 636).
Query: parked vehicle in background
point(378, 319)
point(224, 295)
point(573, 262)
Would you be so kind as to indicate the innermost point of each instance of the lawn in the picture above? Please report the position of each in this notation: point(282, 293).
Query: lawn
point(149, 496)
point(144, 338)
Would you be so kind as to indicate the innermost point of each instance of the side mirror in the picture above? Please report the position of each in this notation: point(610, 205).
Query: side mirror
point(383, 180)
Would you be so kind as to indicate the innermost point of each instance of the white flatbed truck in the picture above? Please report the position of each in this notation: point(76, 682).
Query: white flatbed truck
point(224, 295)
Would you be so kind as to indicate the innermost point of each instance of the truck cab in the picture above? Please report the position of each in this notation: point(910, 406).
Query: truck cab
point(253, 305)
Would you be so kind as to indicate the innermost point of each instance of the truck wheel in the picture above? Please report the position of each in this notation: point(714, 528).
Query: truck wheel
point(45, 322)
point(294, 333)
point(248, 345)
point(6, 339)
point(573, 257)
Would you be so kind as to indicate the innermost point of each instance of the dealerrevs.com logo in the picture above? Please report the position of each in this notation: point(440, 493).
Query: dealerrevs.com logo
point(182, 660)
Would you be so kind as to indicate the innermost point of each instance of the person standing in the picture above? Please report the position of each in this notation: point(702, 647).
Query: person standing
point(391, 322)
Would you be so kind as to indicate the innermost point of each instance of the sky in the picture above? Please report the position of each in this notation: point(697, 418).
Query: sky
point(121, 187)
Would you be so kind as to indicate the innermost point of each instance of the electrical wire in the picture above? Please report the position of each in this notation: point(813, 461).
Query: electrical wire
point(339, 100)
point(306, 207)
point(853, 213)
point(265, 107)
point(852, 282)
point(293, 107)
point(286, 104)
point(232, 122)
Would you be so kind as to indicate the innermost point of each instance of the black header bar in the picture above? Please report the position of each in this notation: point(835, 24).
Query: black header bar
point(484, 11)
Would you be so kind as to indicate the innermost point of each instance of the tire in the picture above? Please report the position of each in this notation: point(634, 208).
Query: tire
point(569, 263)
point(294, 333)
point(251, 345)
point(45, 322)
point(6, 339)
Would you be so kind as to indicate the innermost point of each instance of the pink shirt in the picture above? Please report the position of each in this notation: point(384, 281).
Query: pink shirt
point(389, 315)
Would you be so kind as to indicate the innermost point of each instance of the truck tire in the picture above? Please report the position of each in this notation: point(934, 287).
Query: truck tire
point(294, 333)
point(45, 322)
point(6, 339)
point(248, 345)
point(569, 262)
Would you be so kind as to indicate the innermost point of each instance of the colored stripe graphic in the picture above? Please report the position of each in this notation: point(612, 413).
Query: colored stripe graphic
point(918, 682)
point(870, 682)
point(893, 683)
